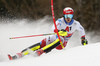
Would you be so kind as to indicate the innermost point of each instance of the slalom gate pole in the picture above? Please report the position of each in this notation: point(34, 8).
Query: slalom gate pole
point(32, 36)
point(55, 23)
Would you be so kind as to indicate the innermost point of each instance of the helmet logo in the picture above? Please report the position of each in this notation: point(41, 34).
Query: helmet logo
point(68, 11)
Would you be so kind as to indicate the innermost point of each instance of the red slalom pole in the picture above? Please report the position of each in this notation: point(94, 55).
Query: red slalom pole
point(55, 23)
point(31, 36)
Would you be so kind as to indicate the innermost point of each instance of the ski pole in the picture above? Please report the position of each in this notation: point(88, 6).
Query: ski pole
point(32, 36)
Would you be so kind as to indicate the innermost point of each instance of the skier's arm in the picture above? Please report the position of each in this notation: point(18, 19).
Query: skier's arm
point(61, 31)
point(58, 24)
point(82, 34)
point(81, 30)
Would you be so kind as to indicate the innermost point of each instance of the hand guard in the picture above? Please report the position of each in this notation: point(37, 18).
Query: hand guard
point(84, 41)
point(62, 32)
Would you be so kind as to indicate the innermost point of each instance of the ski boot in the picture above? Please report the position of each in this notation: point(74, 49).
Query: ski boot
point(18, 55)
point(38, 52)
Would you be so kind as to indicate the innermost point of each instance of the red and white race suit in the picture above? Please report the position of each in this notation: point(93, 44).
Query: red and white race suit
point(69, 27)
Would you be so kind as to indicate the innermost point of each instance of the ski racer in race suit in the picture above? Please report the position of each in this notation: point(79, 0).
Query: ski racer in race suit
point(66, 27)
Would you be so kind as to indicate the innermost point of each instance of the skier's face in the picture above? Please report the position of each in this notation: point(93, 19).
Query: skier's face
point(68, 17)
point(68, 20)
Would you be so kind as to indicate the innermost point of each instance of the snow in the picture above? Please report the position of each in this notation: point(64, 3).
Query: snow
point(73, 55)
point(78, 56)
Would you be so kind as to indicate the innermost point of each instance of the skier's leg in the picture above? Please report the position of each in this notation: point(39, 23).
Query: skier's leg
point(48, 47)
point(60, 47)
point(27, 50)
point(33, 48)
point(51, 43)
point(39, 45)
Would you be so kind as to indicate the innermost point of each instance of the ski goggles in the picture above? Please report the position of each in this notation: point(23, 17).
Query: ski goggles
point(69, 16)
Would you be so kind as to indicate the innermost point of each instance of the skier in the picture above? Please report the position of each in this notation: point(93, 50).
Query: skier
point(66, 27)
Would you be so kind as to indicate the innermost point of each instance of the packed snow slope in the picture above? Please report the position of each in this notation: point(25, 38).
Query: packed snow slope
point(78, 56)
point(74, 54)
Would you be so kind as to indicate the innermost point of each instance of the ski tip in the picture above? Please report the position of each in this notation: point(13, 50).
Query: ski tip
point(10, 58)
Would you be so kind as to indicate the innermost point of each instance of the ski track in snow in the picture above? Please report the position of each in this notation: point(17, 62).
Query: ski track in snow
point(74, 54)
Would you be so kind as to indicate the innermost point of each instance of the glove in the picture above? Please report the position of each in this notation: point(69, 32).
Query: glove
point(62, 32)
point(84, 41)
